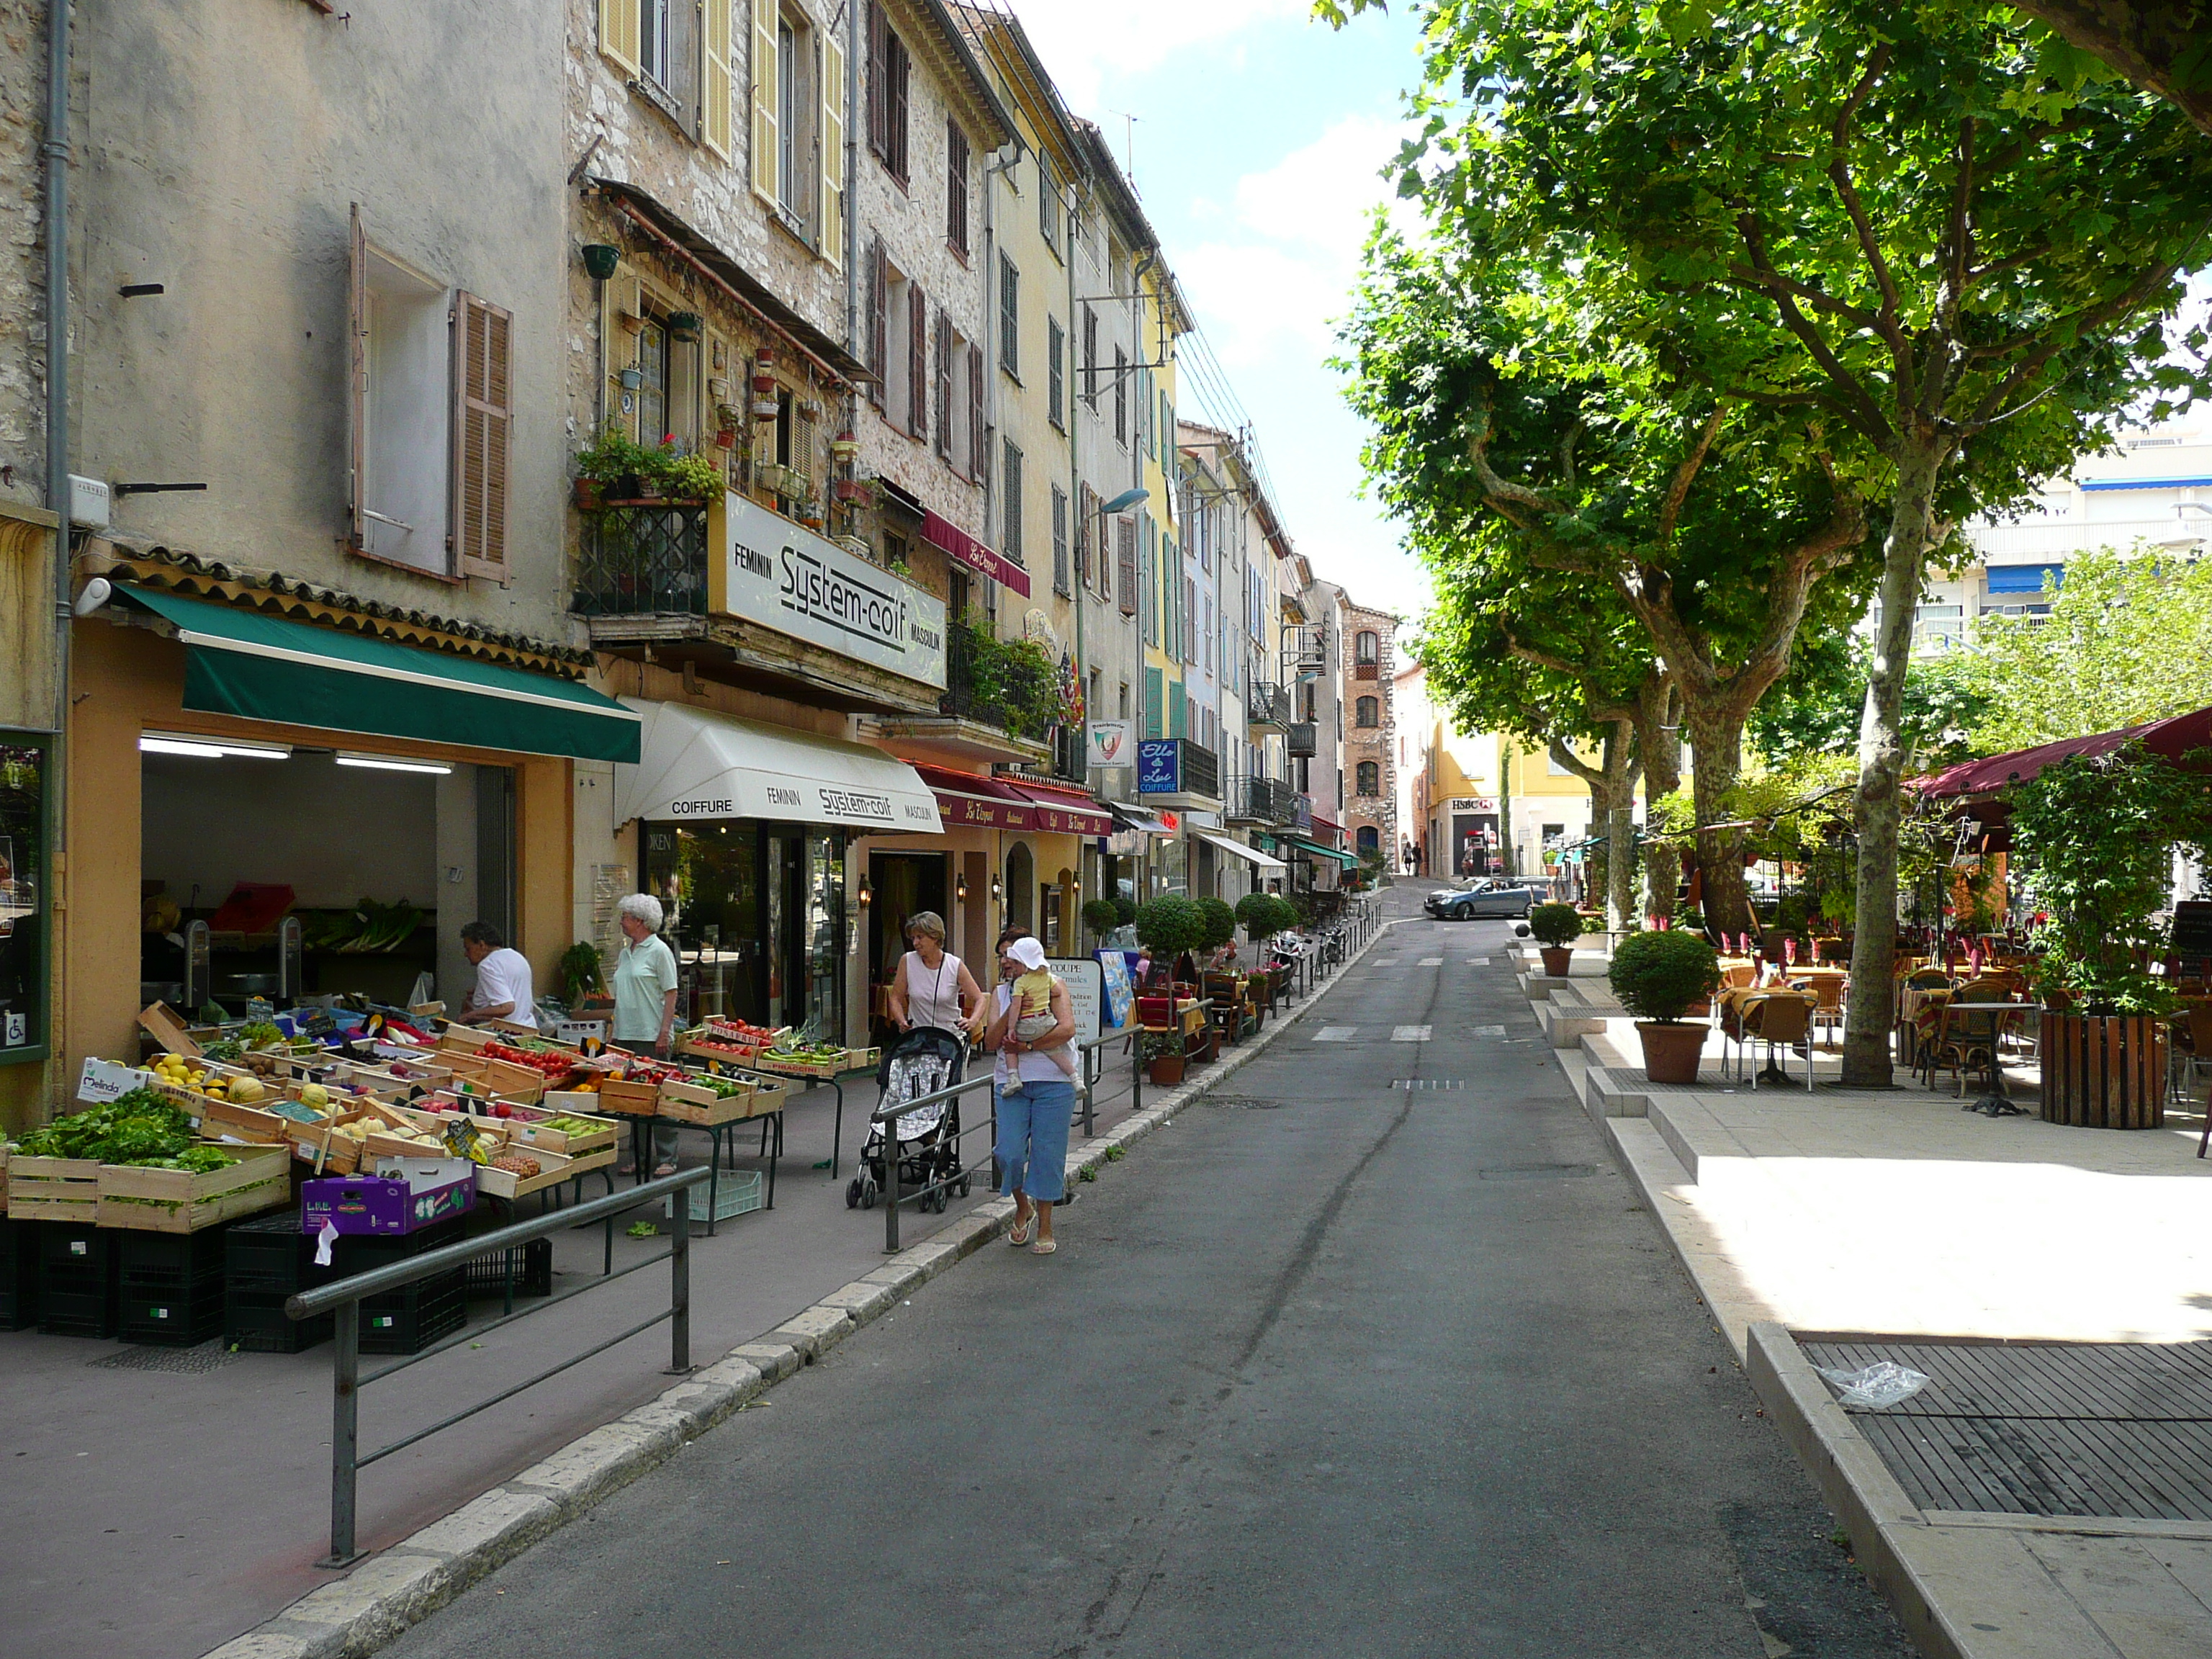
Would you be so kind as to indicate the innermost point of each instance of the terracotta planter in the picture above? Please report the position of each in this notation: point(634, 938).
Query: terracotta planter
point(1556, 958)
point(591, 493)
point(2104, 1071)
point(1164, 1070)
point(1671, 1052)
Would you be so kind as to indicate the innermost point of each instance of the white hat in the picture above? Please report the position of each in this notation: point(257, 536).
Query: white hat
point(1028, 952)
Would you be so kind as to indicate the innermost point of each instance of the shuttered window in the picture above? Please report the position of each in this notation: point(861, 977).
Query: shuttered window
point(1090, 356)
point(1125, 560)
point(1056, 367)
point(955, 188)
point(829, 233)
point(1087, 561)
point(889, 71)
point(482, 413)
point(879, 354)
point(768, 81)
point(978, 457)
point(1120, 396)
point(1152, 692)
point(946, 348)
point(1189, 629)
point(1060, 583)
point(917, 361)
point(717, 91)
point(618, 20)
point(1009, 317)
point(1010, 494)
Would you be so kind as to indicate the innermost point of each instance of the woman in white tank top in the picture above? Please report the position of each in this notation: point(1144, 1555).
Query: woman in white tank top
point(931, 986)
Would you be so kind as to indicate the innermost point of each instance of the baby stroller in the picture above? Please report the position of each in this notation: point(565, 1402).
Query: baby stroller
point(927, 1147)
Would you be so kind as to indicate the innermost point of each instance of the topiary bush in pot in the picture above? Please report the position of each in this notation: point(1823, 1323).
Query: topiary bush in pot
point(1659, 977)
point(1555, 927)
point(1168, 927)
point(1219, 921)
point(1101, 916)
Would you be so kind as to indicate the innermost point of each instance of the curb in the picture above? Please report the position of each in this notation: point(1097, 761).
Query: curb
point(402, 1585)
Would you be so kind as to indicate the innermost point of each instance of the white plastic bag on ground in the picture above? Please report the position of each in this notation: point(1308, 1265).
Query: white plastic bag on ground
point(1885, 1383)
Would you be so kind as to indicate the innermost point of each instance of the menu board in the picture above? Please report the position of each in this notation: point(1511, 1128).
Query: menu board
point(1120, 996)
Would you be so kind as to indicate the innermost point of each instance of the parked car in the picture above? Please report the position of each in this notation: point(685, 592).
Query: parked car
point(1484, 896)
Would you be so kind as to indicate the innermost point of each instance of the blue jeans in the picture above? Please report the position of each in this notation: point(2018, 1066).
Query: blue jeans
point(1032, 1146)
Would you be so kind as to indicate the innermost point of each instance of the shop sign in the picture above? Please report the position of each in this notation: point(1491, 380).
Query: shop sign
point(977, 813)
point(943, 533)
point(103, 1081)
point(1120, 996)
point(1159, 765)
point(786, 577)
point(1086, 992)
point(577, 1032)
point(1067, 820)
point(1480, 804)
point(1109, 742)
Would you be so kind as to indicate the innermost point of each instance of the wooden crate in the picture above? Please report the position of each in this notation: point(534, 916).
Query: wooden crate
point(553, 1168)
point(713, 1047)
point(164, 1027)
point(770, 1094)
point(179, 1202)
point(464, 1039)
point(322, 1147)
point(53, 1189)
point(500, 1079)
point(527, 1128)
point(694, 1103)
point(626, 1099)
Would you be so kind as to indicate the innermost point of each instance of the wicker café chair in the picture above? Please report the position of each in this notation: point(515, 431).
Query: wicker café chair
point(1781, 1020)
point(1967, 1038)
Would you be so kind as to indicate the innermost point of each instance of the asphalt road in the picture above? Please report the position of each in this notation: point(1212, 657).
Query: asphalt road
point(1328, 1365)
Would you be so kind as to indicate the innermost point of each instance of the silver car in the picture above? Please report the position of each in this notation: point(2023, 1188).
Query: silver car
point(1480, 896)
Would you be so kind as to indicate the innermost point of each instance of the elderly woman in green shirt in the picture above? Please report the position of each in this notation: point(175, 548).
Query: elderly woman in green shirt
point(645, 1001)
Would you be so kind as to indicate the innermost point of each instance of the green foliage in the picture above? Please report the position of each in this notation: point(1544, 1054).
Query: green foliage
point(1169, 926)
point(1010, 683)
point(614, 454)
point(1266, 914)
point(1813, 714)
point(1660, 974)
point(141, 1126)
point(2095, 839)
point(1216, 921)
point(580, 972)
point(1125, 911)
point(1556, 925)
point(1101, 915)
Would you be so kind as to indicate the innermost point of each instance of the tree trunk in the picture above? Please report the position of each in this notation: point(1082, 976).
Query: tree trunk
point(1716, 759)
point(1875, 805)
point(1507, 862)
point(1620, 866)
point(1660, 746)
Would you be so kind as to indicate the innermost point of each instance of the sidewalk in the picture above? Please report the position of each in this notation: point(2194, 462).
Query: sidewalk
point(162, 1501)
point(1896, 1215)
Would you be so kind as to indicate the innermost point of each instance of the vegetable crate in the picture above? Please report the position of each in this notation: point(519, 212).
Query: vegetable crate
point(178, 1317)
point(552, 1170)
point(266, 1261)
point(627, 1099)
point(53, 1189)
point(183, 1202)
point(80, 1280)
point(695, 1103)
point(527, 1127)
point(738, 1193)
point(533, 1271)
point(474, 1074)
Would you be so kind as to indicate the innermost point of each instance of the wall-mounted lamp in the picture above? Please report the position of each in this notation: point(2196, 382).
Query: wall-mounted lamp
point(998, 891)
point(867, 893)
point(960, 887)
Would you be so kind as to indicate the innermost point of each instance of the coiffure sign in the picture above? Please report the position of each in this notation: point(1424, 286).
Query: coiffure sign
point(784, 576)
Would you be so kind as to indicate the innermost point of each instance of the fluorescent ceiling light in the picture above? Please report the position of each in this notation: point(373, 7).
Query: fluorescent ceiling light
point(385, 763)
point(179, 743)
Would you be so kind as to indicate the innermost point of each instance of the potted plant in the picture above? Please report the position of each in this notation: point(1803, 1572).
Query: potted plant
point(1101, 916)
point(1162, 1057)
point(1217, 924)
point(1262, 916)
point(1659, 977)
point(616, 463)
point(1169, 926)
point(1555, 927)
point(580, 973)
point(692, 477)
point(2095, 839)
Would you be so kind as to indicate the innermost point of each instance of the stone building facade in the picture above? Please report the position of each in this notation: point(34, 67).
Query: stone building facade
point(1370, 766)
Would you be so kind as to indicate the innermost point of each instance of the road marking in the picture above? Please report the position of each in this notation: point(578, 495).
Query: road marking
point(1477, 961)
point(1432, 962)
point(1384, 962)
point(1490, 1030)
point(1409, 1034)
point(1334, 1034)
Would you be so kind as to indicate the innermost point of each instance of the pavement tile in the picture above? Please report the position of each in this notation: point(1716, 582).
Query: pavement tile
point(773, 1360)
point(816, 1331)
point(862, 1300)
point(491, 1529)
point(590, 1466)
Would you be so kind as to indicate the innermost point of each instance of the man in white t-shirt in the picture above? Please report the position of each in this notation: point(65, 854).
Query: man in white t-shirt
point(502, 990)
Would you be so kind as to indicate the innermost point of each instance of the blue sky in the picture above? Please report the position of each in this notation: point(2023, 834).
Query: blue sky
point(1257, 142)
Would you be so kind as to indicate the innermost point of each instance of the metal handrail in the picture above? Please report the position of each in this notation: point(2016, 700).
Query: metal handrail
point(344, 1296)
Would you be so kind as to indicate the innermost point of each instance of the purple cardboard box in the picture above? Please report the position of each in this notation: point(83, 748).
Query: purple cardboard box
point(405, 1193)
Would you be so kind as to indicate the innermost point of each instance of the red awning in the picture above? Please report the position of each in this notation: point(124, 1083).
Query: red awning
point(943, 533)
point(1065, 811)
point(2173, 737)
point(969, 799)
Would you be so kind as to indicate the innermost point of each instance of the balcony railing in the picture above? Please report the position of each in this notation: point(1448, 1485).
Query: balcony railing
point(644, 560)
point(1268, 706)
point(1067, 754)
point(1305, 741)
point(1260, 800)
point(1198, 768)
point(994, 683)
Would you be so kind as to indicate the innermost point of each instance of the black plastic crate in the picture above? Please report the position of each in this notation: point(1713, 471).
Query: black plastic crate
point(167, 1260)
point(270, 1253)
point(18, 1274)
point(361, 1253)
point(533, 1271)
point(172, 1319)
point(254, 1322)
point(74, 1255)
point(410, 1320)
point(76, 1313)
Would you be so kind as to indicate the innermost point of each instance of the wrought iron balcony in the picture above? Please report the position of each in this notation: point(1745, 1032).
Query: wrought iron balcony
point(644, 559)
point(1260, 800)
point(1305, 741)
point(1267, 708)
point(988, 680)
point(1197, 770)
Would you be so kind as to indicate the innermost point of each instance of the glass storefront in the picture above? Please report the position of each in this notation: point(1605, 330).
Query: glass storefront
point(757, 914)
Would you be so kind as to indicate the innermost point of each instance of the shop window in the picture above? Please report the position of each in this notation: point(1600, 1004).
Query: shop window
point(1370, 778)
point(1021, 887)
point(24, 943)
point(1368, 711)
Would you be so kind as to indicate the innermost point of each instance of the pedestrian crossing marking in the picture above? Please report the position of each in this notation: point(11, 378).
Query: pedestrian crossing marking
point(1334, 1034)
point(1384, 962)
point(1409, 1034)
point(1428, 1084)
point(1477, 961)
point(1490, 1030)
point(1432, 962)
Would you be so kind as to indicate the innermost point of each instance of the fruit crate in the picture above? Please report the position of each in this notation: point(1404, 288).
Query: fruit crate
point(254, 1322)
point(18, 1273)
point(410, 1320)
point(533, 1271)
point(177, 1317)
point(181, 1201)
point(737, 1193)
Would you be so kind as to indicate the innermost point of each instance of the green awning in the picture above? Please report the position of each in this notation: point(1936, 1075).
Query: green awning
point(265, 668)
point(1320, 852)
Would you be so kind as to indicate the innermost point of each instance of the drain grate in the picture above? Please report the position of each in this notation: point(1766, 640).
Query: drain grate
point(2116, 1429)
point(1241, 1102)
point(188, 1362)
point(1537, 1172)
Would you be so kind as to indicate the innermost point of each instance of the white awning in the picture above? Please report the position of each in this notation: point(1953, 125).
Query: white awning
point(694, 766)
point(1252, 855)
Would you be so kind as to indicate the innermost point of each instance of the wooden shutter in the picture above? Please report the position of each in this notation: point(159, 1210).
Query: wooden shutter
point(831, 235)
point(1190, 624)
point(717, 89)
point(879, 351)
point(898, 66)
point(357, 380)
point(944, 350)
point(917, 361)
point(766, 137)
point(875, 71)
point(1086, 508)
point(484, 401)
point(1125, 530)
point(618, 31)
point(978, 457)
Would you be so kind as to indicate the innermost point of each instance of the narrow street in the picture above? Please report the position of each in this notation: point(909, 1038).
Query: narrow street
point(1373, 1353)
